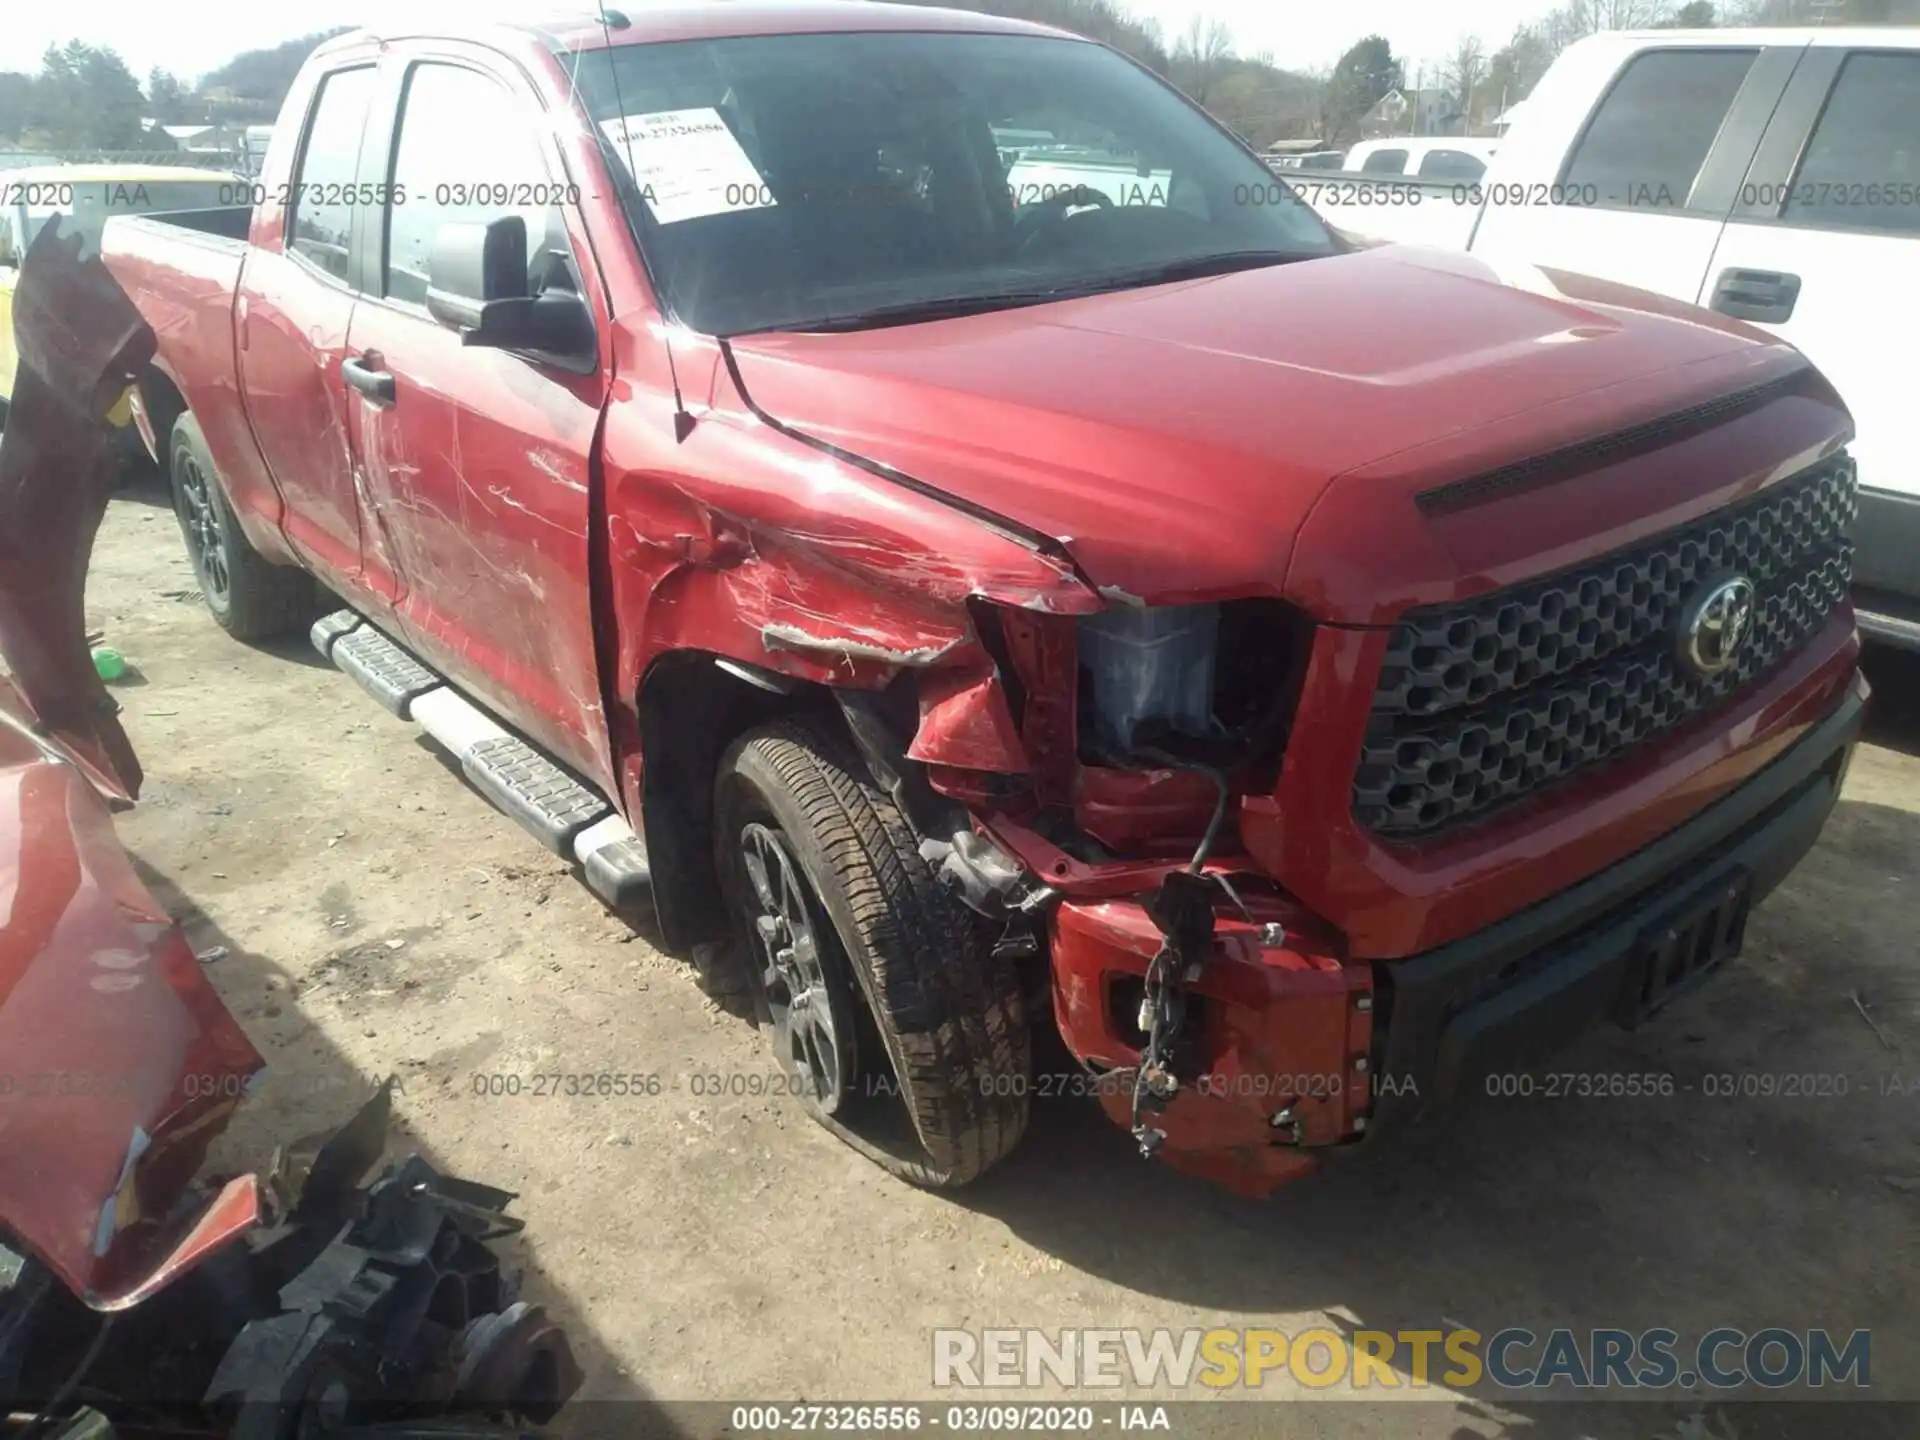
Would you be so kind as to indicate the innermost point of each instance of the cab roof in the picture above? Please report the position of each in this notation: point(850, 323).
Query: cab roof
point(708, 20)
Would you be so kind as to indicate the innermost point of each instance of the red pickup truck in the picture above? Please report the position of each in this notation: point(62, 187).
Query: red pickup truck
point(1323, 676)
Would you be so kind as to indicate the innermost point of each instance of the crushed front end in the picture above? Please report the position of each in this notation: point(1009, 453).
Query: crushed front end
point(1297, 877)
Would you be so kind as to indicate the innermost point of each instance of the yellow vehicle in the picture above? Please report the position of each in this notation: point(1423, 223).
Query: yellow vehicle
point(83, 196)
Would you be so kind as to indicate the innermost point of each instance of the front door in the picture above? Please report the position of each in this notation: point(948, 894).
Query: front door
point(478, 459)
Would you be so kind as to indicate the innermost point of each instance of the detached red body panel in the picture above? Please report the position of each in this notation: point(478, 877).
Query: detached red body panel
point(120, 1063)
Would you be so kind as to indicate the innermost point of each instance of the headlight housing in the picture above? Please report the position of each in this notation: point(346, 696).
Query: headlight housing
point(1213, 684)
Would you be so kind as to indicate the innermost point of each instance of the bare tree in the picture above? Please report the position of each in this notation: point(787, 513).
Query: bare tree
point(1578, 18)
point(1463, 73)
point(1515, 67)
point(1201, 55)
point(1322, 102)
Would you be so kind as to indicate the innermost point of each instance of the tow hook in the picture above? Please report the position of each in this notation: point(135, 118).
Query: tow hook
point(1182, 910)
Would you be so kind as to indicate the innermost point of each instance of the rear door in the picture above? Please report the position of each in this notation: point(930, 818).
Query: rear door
point(1653, 170)
point(1825, 249)
point(295, 303)
point(477, 459)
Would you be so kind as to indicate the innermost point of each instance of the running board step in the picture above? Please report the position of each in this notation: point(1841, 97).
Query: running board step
point(533, 790)
point(613, 862)
point(1889, 629)
point(567, 816)
point(384, 670)
point(329, 628)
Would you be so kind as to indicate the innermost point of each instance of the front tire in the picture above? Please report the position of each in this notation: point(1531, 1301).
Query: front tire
point(249, 598)
point(910, 1040)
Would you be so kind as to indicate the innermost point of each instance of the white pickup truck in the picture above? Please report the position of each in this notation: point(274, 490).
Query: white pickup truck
point(1773, 175)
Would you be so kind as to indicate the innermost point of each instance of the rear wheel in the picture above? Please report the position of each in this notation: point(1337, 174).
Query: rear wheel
point(898, 1027)
point(249, 598)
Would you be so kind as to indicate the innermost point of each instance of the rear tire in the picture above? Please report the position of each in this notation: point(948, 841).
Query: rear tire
point(249, 598)
point(947, 1052)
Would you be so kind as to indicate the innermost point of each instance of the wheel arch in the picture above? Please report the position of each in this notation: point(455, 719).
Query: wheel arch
point(691, 709)
point(693, 705)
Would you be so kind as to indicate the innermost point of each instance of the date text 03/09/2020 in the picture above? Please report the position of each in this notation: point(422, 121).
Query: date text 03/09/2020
point(961, 1419)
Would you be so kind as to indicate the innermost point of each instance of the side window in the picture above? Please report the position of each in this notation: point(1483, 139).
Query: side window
point(1451, 165)
point(1861, 169)
point(1646, 143)
point(1385, 162)
point(465, 155)
point(323, 193)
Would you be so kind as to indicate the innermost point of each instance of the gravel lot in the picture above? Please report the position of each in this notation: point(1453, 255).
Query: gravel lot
point(379, 916)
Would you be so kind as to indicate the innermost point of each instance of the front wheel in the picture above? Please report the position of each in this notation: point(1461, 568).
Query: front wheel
point(898, 1027)
point(248, 597)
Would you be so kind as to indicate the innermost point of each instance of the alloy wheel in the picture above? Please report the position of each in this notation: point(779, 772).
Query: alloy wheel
point(795, 969)
point(201, 525)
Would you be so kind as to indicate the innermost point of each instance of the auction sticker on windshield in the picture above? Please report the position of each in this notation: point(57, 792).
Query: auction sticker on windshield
point(688, 164)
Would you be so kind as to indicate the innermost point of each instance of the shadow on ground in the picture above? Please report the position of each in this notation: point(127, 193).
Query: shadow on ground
point(142, 483)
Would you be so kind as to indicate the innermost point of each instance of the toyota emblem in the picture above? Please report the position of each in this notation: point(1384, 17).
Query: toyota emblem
point(1715, 625)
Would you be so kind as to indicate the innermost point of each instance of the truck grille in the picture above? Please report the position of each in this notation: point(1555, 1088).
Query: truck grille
point(1482, 702)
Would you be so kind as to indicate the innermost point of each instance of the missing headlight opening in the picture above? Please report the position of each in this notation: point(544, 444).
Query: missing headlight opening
point(1191, 686)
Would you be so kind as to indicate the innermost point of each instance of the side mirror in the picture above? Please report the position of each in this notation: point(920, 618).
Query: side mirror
point(477, 285)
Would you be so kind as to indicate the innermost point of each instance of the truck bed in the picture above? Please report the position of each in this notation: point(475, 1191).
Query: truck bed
point(222, 229)
point(182, 271)
point(183, 275)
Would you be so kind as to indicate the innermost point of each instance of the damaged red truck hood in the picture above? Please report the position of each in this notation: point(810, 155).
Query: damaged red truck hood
point(1178, 438)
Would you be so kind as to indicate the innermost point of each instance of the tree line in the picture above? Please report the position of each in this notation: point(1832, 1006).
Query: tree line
point(84, 97)
point(1264, 101)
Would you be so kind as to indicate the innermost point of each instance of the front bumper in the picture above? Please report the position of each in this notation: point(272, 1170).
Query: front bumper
point(1293, 1045)
point(1521, 990)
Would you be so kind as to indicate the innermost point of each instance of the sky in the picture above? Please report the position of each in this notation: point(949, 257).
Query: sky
point(190, 37)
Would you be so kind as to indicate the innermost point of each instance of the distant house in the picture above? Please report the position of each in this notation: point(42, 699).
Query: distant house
point(1296, 147)
point(215, 142)
point(1410, 111)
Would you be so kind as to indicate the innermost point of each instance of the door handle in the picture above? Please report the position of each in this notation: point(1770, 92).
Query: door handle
point(1764, 295)
point(376, 385)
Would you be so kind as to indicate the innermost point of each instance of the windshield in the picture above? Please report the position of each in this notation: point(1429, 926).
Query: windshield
point(795, 181)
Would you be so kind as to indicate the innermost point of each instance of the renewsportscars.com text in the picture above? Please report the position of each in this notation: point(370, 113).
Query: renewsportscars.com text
point(1515, 1358)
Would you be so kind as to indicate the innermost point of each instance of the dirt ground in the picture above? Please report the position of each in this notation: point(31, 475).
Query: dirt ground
point(380, 917)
